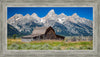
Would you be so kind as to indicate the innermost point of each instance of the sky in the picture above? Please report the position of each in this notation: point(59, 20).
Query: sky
point(85, 12)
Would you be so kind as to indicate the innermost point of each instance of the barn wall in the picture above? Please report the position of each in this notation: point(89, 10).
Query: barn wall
point(50, 35)
point(60, 37)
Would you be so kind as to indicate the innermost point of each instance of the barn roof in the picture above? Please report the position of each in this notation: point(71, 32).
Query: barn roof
point(32, 35)
point(40, 30)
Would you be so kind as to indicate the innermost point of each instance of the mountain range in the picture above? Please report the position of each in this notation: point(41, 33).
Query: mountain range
point(62, 24)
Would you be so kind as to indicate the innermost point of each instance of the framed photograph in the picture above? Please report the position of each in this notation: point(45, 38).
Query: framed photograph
point(65, 28)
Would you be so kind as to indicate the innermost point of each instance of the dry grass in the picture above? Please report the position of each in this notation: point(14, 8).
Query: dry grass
point(49, 41)
point(53, 43)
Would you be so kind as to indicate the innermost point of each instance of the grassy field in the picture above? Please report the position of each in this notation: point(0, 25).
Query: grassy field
point(16, 44)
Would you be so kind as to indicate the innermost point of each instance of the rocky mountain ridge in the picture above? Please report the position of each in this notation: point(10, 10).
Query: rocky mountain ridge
point(63, 25)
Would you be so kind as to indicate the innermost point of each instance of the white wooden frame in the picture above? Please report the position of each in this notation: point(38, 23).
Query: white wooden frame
point(49, 3)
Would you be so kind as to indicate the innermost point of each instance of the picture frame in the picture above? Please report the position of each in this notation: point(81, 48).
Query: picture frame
point(49, 53)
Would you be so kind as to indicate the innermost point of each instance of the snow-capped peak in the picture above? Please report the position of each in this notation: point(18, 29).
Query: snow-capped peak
point(27, 15)
point(75, 15)
point(34, 14)
point(63, 14)
point(51, 12)
point(18, 15)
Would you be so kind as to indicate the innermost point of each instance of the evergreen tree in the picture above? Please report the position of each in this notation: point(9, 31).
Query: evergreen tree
point(14, 36)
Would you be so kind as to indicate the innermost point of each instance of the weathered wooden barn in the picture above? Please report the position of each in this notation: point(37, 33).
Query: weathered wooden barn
point(42, 33)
